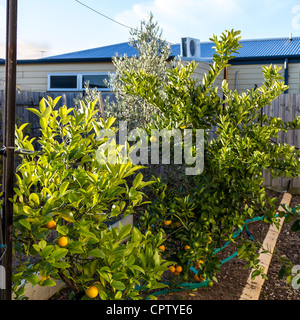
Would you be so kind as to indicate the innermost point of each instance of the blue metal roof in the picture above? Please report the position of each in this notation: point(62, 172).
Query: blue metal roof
point(101, 52)
point(252, 50)
point(258, 48)
point(281, 47)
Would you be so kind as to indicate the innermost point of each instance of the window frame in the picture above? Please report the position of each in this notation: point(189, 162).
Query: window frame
point(79, 76)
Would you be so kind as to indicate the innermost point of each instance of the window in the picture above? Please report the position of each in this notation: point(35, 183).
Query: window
point(63, 82)
point(76, 82)
point(95, 80)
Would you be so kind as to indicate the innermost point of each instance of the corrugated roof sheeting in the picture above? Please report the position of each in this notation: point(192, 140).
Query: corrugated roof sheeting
point(251, 50)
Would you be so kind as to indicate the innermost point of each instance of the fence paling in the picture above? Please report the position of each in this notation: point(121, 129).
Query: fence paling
point(287, 107)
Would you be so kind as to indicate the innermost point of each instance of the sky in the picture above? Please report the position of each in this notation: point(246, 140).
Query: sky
point(51, 27)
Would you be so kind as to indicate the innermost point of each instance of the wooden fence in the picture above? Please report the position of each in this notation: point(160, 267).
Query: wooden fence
point(286, 106)
point(30, 99)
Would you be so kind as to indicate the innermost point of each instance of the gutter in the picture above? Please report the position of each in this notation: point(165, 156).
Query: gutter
point(65, 60)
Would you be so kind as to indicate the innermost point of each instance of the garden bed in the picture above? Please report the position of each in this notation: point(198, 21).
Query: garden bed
point(233, 276)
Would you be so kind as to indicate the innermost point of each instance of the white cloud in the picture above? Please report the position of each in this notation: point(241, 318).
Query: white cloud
point(25, 51)
point(177, 18)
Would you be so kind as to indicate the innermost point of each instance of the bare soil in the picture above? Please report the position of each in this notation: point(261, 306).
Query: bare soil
point(233, 276)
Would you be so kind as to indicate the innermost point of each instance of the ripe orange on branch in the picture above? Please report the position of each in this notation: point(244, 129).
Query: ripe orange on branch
point(51, 225)
point(162, 248)
point(92, 292)
point(172, 269)
point(63, 241)
point(178, 269)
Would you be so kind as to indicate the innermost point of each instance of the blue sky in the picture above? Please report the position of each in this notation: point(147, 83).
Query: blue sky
point(50, 27)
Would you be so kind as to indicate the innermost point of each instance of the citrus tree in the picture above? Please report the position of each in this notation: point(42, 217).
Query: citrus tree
point(230, 189)
point(64, 204)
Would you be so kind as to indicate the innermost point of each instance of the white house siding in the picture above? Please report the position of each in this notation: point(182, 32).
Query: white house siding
point(243, 77)
point(294, 77)
point(202, 68)
point(33, 77)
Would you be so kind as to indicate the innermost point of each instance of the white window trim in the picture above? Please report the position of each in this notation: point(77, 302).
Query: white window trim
point(79, 80)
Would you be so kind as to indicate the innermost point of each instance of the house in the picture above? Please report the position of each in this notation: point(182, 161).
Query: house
point(69, 72)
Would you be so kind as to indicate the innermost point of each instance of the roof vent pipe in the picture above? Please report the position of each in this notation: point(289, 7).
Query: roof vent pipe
point(290, 36)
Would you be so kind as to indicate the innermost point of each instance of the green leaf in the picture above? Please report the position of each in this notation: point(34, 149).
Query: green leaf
point(86, 233)
point(47, 251)
point(33, 279)
point(102, 295)
point(136, 235)
point(118, 285)
point(42, 244)
point(35, 198)
point(43, 123)
point(36, 247)
point(63, 187)
point(118, 295)
point(61, 265)
point(97, 253)
point(119, 275)
point(137, 181)
point(42, 105)
point(138, 268)
point(63, 230)
point(25, 223)
point(255, 273)
point(296, 226)
point(66, 215)
point(125, 231)
point(49, 283)
point(59, 253)
point(35, 111)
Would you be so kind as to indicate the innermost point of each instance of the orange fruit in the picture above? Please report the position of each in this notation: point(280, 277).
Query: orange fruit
point(176, 273)
point(92, 292)
point(63, 241)
point(162, 248)
point(51, 225)
point(199, 262)
point(178, 269)
point(45, 278)
point(186, 248)
point(172, 269)
point(198, 279)
point(167, 222)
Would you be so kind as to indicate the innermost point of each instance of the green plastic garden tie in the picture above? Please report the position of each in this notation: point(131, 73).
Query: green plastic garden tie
point(192, 286)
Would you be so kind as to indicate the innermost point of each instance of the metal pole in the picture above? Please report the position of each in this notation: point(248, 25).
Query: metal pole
point(9, 142)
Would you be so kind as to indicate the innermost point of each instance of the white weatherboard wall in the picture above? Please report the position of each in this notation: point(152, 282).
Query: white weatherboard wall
point(243, 77)
point(33, 77)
